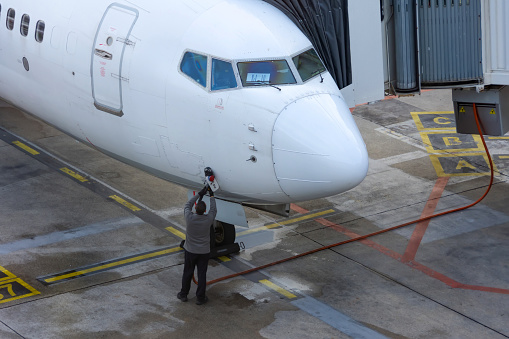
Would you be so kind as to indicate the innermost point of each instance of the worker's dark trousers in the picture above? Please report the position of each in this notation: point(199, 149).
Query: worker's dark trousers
point(191, 260)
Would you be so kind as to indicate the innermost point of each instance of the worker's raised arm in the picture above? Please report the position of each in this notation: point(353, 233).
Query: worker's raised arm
point(188, 208)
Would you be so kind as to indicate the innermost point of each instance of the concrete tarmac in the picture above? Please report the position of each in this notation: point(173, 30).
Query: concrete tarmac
point(89, 246)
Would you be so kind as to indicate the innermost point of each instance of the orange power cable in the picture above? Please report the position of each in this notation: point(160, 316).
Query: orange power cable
point(378, 232)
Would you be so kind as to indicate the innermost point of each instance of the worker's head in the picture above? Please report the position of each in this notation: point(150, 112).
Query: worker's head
point(201, 207)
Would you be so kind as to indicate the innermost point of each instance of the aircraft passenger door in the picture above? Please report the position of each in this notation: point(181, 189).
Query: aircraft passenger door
point(111, 40)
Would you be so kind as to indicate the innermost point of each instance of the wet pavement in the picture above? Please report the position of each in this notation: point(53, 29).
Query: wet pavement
point(89, 246)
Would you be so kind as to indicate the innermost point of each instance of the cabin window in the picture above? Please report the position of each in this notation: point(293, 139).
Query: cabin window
point(271, 72)
point(222, 75)
point(25, 23)
point(11, 14)
point(195, 66)
point(308, 64)
point(39, 31)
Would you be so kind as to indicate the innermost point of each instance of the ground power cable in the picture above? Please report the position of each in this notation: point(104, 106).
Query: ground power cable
point(480, 130)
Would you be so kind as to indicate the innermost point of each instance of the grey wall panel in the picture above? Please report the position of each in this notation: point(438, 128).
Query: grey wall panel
point(450, 41)
point(406, 45)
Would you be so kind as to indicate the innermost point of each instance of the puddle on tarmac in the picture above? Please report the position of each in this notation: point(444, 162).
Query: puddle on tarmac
point(256, 239)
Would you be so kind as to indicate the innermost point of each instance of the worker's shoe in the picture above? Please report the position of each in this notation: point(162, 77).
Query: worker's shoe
point(182, 297)
point(202, 301)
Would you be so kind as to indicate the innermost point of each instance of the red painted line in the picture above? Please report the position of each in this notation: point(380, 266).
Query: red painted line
point(413, 264)
point(366, 242)
point(384, 250)
point(453, 283)
point(298, 209)
point(434, 274)
point(485, 289)
point(420, 229)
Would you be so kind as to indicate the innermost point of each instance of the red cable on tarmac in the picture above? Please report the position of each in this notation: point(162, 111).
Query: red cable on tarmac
point(378, 232)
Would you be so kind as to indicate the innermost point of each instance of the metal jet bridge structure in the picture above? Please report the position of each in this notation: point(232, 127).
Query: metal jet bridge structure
point(376, 47)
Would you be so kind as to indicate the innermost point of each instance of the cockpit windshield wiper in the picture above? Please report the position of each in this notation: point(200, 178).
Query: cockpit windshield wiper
point(260, 83)
point(318, 71)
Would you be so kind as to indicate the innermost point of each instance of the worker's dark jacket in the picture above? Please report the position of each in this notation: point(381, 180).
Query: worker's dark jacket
point(198, 227)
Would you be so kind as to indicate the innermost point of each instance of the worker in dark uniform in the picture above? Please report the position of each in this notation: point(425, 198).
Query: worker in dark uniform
point(197, 244)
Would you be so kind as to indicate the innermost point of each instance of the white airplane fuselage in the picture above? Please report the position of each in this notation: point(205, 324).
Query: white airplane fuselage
point(114, 75)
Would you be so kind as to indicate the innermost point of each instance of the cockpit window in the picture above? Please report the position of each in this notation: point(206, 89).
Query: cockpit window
point(273, 72)
point(195, 66)
point(308, 64)
point(222, 75)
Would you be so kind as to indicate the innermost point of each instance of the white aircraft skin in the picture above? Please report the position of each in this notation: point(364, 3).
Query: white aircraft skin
point(109, 74)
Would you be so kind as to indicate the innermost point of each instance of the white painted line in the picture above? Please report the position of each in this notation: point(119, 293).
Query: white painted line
point(336, 319)
point(396, 159)
point(401, 137)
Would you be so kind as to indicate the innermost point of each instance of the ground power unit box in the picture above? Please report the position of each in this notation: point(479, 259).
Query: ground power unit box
point(492, 107)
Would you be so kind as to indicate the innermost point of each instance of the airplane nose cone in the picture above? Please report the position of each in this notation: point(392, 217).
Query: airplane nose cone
point(317, 148)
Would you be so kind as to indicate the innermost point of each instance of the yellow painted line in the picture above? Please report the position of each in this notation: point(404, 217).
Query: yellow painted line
point(8, 275)
point(441, 172)
point(498, 138)
point(504, 156)
point(125, 203)
point(176, 232)
point(420, 126)
point(431, 150)
point(286, 222)
point(417, 121)
point(8, 291)
point(74, 174)
point(11, 295)
point(278, 289)
point(112, 265)
point(25, 147)
point(183, 236)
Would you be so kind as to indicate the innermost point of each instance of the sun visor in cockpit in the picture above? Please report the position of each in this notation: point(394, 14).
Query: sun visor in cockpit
point(325, 23)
